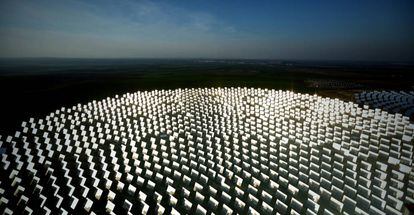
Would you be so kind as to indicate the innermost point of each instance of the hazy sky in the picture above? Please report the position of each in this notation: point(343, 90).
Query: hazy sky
point(297, 29)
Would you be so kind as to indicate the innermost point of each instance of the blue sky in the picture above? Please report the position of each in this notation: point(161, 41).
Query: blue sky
point(297, 29)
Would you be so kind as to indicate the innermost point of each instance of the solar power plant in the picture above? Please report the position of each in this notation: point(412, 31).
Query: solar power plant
point(211, 150)
point(393, 101)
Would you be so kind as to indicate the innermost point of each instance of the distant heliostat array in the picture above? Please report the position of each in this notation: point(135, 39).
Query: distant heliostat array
point(392, 101)
point(222, 150)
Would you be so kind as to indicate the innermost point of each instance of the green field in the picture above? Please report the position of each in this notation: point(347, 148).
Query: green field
point(34, 89)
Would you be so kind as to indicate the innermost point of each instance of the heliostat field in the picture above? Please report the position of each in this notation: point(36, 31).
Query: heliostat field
point(220, 150)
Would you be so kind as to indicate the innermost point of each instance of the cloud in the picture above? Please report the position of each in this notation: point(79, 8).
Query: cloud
point(132, 18)
point(105, 28)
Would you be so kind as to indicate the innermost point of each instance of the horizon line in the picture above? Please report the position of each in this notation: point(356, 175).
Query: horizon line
point(212, 58)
